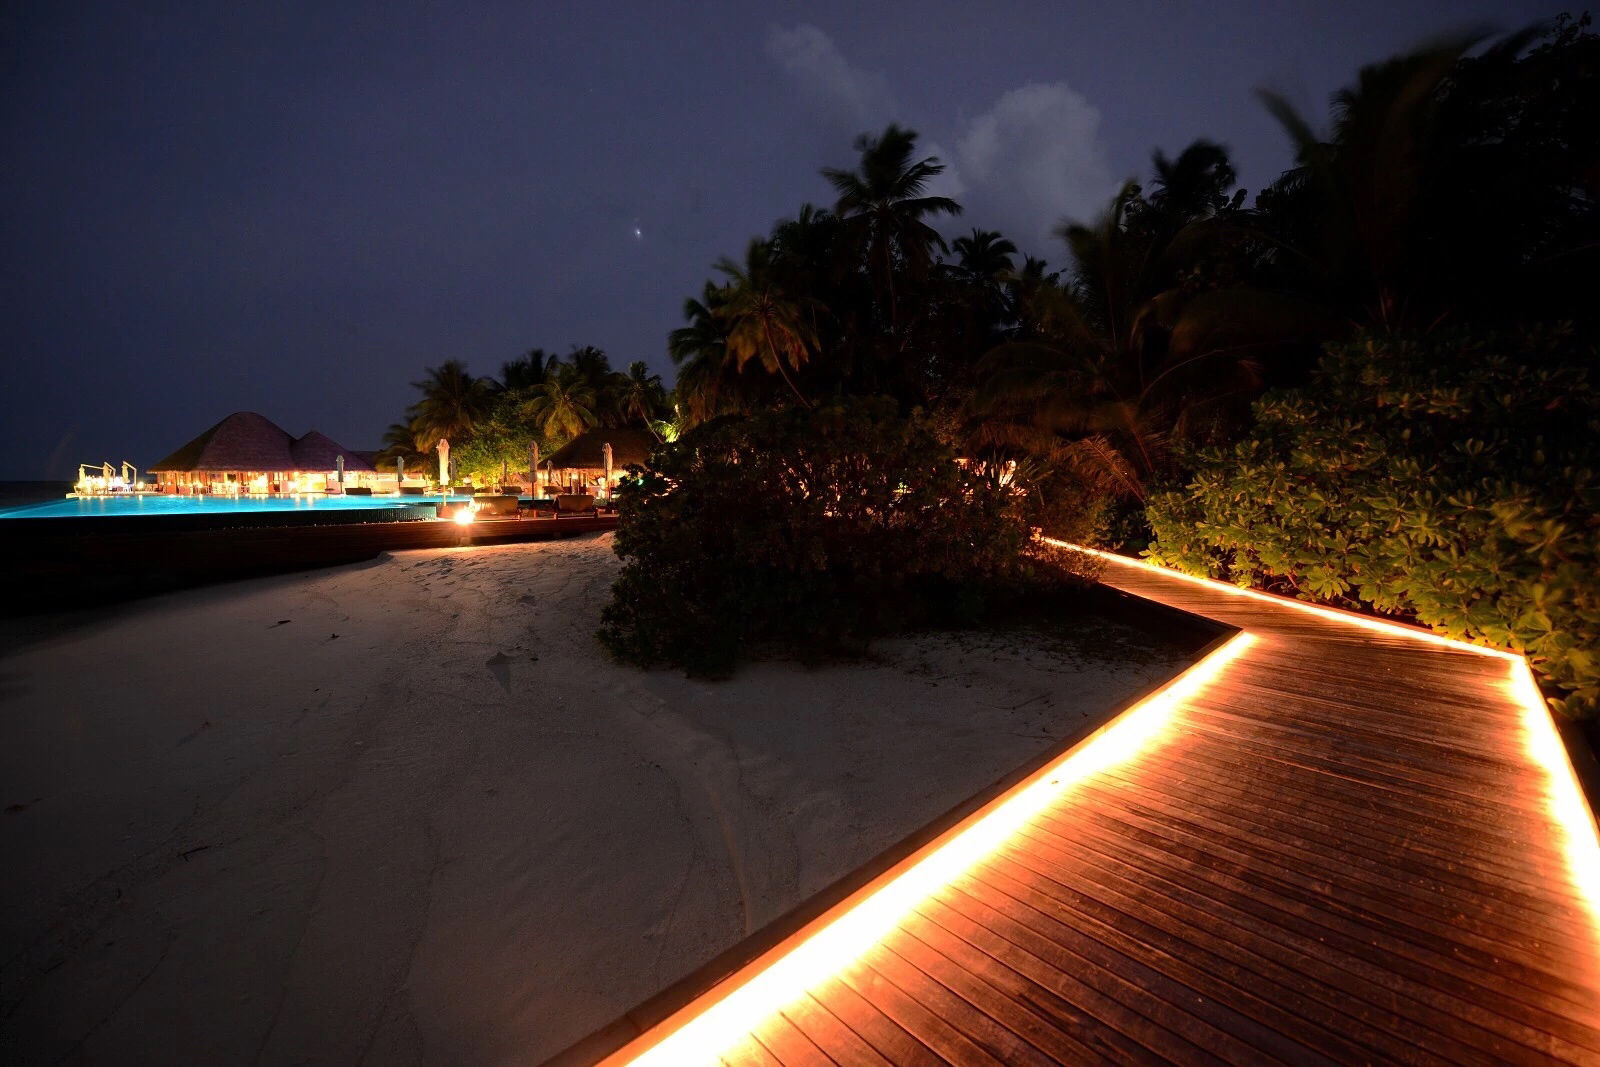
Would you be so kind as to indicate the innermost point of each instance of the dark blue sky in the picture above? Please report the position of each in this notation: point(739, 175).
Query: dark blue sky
point(293, 209)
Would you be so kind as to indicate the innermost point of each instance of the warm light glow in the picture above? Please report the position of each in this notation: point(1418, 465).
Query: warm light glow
point(843, 940)
point(464, 516)
point(1391, 628)
point(1575, 825)
point(1575, 822)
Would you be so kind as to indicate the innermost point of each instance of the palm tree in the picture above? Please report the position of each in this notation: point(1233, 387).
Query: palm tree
point(984, 257)
point(452, 403)
point(641, 394)
point(983, 267)
point(527, 371)
point(884, 203)
point(400, 442)
point(1345, 220)
point(700, 352)
point(1132, 356)
point(1109, 417)
point(590, 363)
point(763, 322)
point(563, 406)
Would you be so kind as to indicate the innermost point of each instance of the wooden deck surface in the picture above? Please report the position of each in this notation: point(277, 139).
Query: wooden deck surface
point(1341, 848)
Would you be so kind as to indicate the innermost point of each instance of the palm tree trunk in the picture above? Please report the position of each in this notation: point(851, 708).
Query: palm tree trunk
point(777, 357)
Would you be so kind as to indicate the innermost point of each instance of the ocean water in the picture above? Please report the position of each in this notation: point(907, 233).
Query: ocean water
point(17, 493)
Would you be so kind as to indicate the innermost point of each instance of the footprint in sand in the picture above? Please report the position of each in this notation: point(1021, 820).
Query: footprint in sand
point(499, 665)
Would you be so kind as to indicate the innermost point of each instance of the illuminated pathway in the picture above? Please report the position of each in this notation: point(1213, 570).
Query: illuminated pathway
point(1331, 840)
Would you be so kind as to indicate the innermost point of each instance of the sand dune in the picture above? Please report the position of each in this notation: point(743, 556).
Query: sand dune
point(409, 812)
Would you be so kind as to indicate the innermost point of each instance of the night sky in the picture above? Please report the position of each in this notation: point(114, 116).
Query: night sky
point(293, 209)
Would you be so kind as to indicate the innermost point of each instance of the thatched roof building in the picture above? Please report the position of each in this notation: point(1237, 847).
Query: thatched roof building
point(246, 445)
point(579, 466)
point(244, 441)
point(586, 452)
point(319, 452)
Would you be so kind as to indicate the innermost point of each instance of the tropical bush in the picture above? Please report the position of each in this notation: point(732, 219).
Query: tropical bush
point(809, 532)
point(1454, 481)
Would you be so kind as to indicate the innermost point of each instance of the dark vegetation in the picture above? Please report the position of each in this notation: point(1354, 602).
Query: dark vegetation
point(809, 529)
point(1369, 384)
point(538, 399)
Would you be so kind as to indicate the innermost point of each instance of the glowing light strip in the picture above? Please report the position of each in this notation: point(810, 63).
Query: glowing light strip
point(1579, 838)
point(842, 941)
point(1391, 628)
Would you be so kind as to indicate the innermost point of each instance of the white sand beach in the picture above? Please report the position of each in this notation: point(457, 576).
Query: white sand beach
point(410, 812)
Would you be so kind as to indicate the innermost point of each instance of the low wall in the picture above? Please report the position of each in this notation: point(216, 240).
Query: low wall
point(56, 564)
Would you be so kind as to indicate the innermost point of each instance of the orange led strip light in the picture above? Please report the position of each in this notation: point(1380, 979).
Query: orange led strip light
point(725, 1015)
point(1576, 828)
point(701, 1031)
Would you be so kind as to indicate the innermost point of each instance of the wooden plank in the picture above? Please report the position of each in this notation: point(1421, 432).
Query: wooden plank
point(1326, 1022)
point(783, 1042)
point(841, 1044)
point(1210, 857)
point(1371, 953)
point(1117, 906)
point(1341, 852)
point(1364, 772)
point(886, 1037)
point(1119, 978)
point(1070, 997)
point(1435, 765)
point(1302, 844)
point(945, 1040)
point(1398, 893)
point(1374, 822)
point(750, 1053)
point(996, 969)
point(1009, 1010)
point(1494, 829)
point(995, 1037)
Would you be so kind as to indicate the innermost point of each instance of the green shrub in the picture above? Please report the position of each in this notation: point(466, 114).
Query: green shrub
point(1449, 480)
point(808, 532)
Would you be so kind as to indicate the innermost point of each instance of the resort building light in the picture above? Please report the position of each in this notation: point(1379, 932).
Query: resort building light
point(246, 453)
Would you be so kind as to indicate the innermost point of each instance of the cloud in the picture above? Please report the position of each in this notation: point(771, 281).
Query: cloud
point(1031, 160)
point(949, 183)
point(810, 57)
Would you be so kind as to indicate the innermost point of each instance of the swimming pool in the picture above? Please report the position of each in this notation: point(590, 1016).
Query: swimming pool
point(134, 504)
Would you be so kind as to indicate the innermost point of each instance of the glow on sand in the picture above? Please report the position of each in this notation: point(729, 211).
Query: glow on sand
point(836, 945)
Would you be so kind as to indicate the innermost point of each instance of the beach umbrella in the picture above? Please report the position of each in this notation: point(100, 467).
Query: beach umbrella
point(338, 461)
point(443, 448)
point(399, 471)
point(606, 451)
point(533, 469)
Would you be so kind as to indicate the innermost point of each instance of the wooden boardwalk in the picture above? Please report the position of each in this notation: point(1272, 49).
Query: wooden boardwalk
point(1331, 841)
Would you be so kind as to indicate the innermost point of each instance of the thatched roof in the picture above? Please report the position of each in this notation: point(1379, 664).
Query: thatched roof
point(319, 452)
point(629, 447)
point(245, 441)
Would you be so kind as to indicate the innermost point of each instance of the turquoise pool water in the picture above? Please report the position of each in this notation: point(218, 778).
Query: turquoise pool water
point(151, 504)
